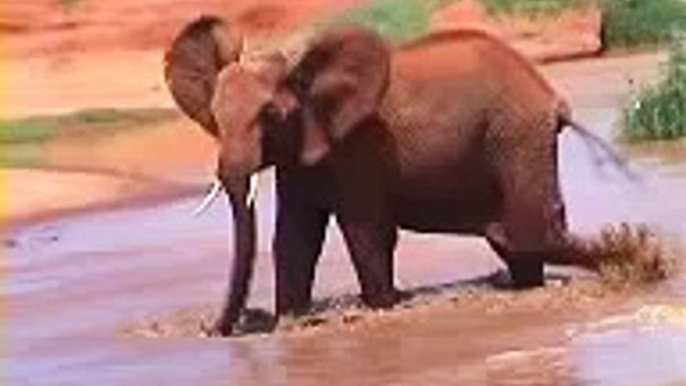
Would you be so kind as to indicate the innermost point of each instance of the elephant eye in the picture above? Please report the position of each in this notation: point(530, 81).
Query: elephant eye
point(270, 113)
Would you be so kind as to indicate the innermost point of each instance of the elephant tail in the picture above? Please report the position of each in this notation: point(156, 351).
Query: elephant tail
point(597, 146)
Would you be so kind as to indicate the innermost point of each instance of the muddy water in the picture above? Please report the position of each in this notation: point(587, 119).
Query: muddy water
point(75, 286)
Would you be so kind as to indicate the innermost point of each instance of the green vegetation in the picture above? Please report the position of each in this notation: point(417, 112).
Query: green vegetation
point(94, 121)
point(659, 111)
point(22, 140)
point(531, 6)
point(626, 23)
point(21, 156)
point(630, 23)
point(398, 20)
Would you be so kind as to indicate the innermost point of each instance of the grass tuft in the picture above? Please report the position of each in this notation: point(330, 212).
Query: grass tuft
point(629, 255)
point(658, 112)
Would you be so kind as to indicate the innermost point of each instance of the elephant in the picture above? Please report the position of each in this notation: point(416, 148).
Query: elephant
point(455, 133)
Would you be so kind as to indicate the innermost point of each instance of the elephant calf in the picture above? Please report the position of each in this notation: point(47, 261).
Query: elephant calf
point(455, 133)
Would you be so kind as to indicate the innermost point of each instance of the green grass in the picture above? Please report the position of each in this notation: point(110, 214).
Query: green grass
point(397, 20)
point(631, 23)
point(626, 23)
point(21, 156)
point(659, 111)
point(22, 140)
point(531, 6)
point(93, 121)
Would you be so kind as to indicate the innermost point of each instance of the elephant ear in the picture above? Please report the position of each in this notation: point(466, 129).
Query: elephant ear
point(339, 82)
point(193, 62)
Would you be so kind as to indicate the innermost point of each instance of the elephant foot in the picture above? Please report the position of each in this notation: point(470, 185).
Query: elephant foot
point(250, 321)
point(526, 273)
point(219, 329)
point(383, 300)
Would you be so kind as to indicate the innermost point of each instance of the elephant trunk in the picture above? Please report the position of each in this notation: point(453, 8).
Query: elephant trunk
point(243, 210)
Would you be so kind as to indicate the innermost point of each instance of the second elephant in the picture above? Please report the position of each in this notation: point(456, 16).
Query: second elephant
point(455, 133)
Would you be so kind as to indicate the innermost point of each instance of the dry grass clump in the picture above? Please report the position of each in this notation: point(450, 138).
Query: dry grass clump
point(629, 254)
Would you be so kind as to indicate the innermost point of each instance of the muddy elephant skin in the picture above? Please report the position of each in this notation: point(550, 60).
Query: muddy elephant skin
point(455, 133)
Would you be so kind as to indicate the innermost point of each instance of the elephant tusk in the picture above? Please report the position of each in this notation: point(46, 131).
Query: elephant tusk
point(209, 198)
point(252, 190)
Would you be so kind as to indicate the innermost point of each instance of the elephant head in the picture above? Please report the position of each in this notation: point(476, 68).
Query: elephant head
point(273, 109)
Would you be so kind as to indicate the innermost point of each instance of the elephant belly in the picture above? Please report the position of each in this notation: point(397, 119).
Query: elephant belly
point(449, 200)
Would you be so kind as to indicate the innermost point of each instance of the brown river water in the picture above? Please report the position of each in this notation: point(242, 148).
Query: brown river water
point(115, 297)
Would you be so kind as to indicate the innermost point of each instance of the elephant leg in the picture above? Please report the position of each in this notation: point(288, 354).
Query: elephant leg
point(371, 246)
point(526, 270)
point(532, 222)
point(363, 204)
point(298, 240)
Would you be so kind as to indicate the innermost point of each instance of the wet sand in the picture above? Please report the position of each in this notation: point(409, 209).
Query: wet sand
point(79, 287)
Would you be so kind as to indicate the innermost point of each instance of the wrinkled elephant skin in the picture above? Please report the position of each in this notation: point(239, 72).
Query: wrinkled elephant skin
point(455, 133)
